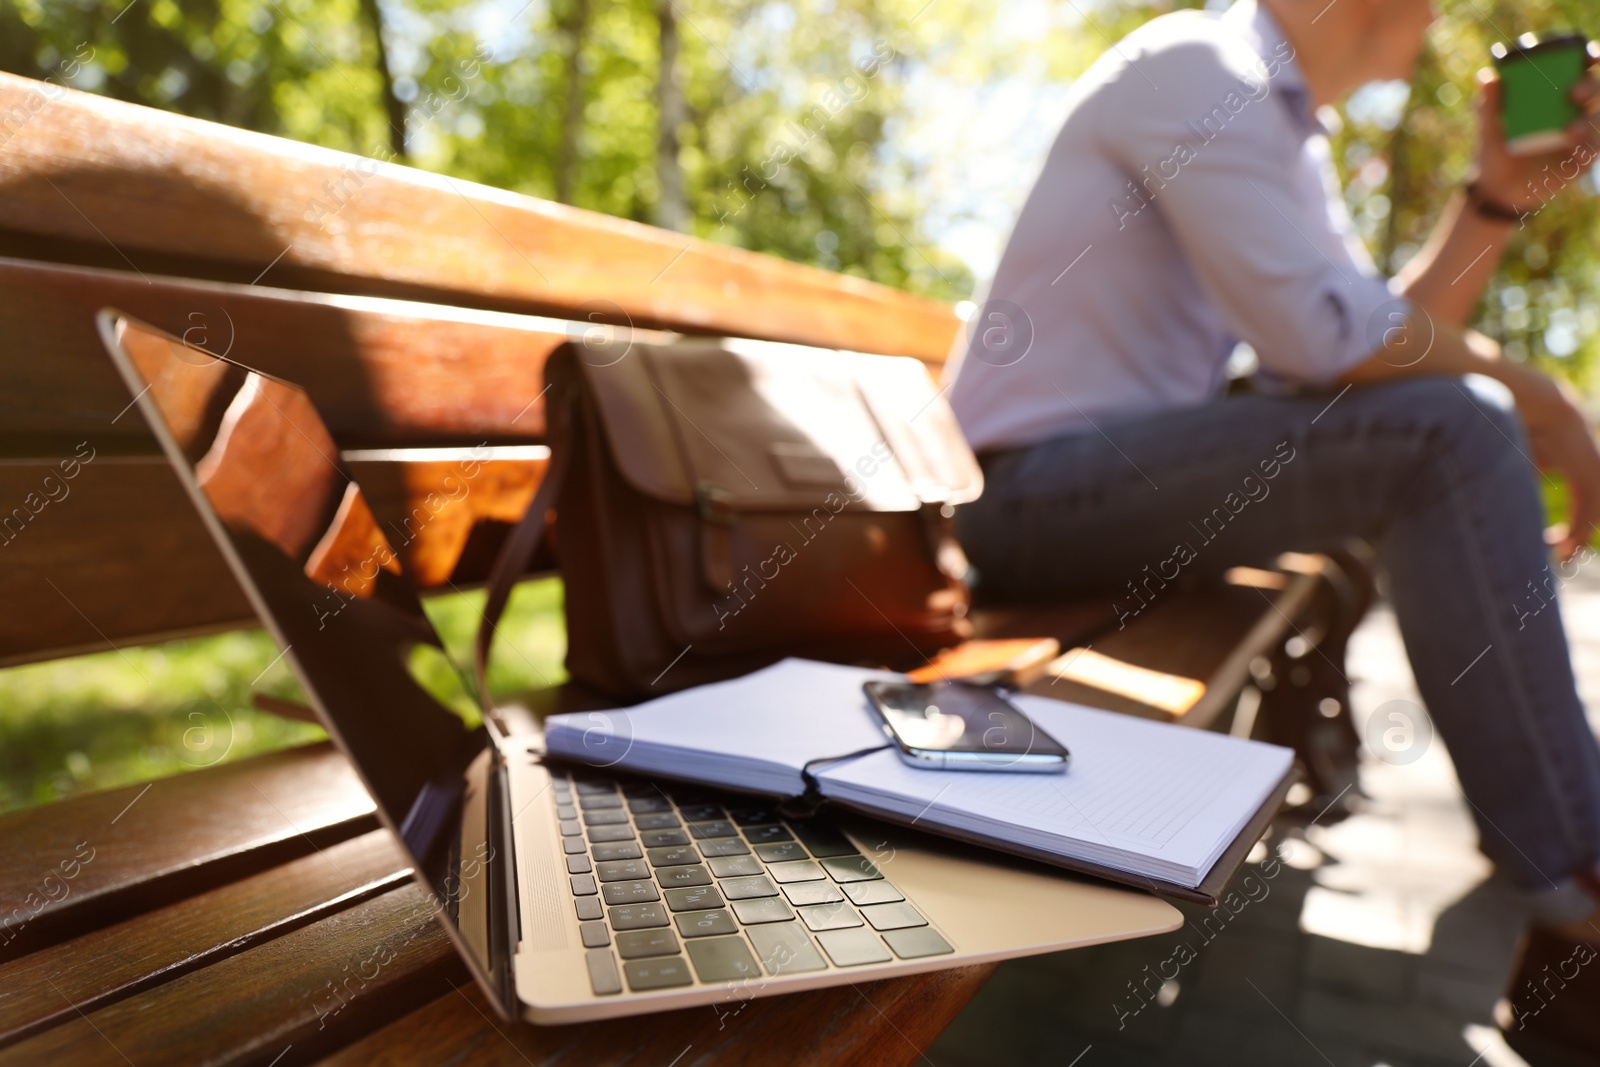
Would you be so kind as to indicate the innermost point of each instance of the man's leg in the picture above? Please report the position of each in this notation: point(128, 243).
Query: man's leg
point(1434, 471)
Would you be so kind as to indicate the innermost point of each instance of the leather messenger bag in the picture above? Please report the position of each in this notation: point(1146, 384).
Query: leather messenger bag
point(722, 504)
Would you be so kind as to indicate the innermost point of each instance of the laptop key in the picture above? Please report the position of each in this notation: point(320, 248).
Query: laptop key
point(823, 840)
point(795, 871)
point(744, 888)
point(637, 944)
point(661, 820)
point(605, 817)
point(570, 827)
point(661, 973)
point(782, 852)
point(603, 977)
point(621, 870)
point(595, 934)
point(752, 816)
point(719, 828)
point(722, 959)
point(589, 908)
point(616, 850)
point(573, 845)
point(916, 943)
point(761, 910)
point(653, 802)
point(578, 865)
point(724, 846)
point(893, 916)
point(733, 866)
point(784, 948)
point(700, 812)
point(597, 801)
point(592, 788)
point(851, 869)
point(839, 916)
point(582, 885)
point(637, 916)
point(696, 899)
point(674, 856)
point(705, 923)
point(824, 892)
point(636, 892)
point(682, 877)
point(853, 948)
point(600, 834)
point(878, 892)
point(662, 838)
point(566, 811)
point(761, 835)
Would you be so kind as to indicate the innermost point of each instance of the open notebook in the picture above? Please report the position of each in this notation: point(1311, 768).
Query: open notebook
point(1148, 804)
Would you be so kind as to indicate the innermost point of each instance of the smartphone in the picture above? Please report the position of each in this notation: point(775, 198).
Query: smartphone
point(1537, 76)
point(956, 726)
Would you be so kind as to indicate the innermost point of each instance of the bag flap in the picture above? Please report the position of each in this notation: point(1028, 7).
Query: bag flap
point(756, 425)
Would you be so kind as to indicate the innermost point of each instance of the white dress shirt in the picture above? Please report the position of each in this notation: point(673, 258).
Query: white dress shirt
point(1189, 203)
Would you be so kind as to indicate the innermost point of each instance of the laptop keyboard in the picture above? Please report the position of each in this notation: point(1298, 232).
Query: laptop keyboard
point(674, 885)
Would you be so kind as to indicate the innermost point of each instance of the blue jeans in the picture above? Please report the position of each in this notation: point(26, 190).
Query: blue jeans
point(1433, 471)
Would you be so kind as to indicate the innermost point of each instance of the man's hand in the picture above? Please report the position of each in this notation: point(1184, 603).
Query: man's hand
point(1518, 182)
point(1562, 441)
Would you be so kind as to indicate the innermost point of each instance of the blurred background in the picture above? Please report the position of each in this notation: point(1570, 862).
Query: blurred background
point(893, 140)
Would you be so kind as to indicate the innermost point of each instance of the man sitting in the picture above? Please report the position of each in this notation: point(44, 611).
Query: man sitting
point(1189, 203)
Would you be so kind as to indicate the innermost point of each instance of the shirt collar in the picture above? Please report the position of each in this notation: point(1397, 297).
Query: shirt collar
point(1267, 39)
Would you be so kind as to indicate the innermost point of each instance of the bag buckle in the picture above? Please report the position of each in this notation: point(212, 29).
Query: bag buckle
point(716, 504)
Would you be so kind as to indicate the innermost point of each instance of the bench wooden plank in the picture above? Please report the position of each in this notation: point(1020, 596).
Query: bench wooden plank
point(117, 555)
point(311, 990)
point(1208, 634)
point(92, 860)
point(225, 203)
point(380, 371)
point(875, 1024)
point(47, 987)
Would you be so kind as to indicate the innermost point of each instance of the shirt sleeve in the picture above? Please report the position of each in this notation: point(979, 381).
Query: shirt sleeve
point(1214, 150)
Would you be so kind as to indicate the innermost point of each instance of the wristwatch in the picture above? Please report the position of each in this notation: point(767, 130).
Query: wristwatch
point(1491, 209)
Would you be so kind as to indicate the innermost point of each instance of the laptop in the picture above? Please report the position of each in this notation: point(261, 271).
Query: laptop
point(571, 893)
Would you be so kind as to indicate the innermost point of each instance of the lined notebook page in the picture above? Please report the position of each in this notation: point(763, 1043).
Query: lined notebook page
point(1141, 796)
point(755, 732)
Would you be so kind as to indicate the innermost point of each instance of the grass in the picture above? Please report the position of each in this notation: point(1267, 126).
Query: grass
point(108, 719)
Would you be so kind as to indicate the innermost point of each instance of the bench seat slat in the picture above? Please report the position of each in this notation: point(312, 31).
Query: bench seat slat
point(109, 964)
point(876, 1024)
point(88, 861)
point(1208, 634)
point(315, 987)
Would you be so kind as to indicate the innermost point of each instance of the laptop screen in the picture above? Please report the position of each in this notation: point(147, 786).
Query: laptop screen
point(265, 474)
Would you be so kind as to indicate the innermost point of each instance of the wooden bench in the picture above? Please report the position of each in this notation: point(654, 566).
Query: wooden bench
point(204, 914)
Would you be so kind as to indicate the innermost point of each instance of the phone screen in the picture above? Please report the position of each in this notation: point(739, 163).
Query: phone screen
point(1537, 78)
point(954, 717)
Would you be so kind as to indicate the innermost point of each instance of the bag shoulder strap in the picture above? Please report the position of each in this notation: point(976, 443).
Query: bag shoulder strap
point(511, 563)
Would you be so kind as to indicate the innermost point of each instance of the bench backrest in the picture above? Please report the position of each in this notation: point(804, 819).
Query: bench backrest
point(417, 310)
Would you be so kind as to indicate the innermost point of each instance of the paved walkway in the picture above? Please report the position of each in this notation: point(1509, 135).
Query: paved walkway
point(1382, 940)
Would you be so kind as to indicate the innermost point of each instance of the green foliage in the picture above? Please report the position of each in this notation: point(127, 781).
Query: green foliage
point(486, 99)
point(1542, 304)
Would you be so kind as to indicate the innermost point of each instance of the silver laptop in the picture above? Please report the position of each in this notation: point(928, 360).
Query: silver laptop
point(572, 893)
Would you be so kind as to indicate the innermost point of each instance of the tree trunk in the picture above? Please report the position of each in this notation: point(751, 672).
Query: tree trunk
point(577, 31)
point(671, 211)
point(394, 109)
